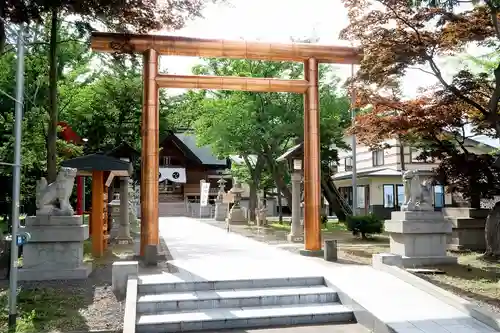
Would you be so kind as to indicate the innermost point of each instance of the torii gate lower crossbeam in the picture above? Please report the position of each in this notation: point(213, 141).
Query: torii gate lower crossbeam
point(152, 46)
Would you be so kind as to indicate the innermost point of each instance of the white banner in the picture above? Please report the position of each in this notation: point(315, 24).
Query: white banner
point(205, 188)
point(175, 175)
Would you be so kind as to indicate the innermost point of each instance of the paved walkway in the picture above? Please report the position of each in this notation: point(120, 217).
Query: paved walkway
point(203, 252)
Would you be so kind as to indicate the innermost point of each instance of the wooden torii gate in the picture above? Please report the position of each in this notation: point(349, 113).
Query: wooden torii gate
point(152, 46)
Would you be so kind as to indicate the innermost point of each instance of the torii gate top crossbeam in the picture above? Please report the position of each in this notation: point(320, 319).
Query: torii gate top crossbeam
point(218, 48)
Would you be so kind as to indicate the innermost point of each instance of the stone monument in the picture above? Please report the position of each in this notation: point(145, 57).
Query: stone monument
point(55, 249)
point(261, 213)
point(297, 230)
point(236, 214)
point(220, 206)
point(114, 209)
point(124, 221)
point(418, 233)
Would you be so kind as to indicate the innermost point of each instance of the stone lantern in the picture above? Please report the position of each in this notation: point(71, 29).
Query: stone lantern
point(220, 206)
point(236, 215)
point(294, 157)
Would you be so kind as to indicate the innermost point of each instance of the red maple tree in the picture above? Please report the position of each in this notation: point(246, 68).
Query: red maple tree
point(396, 36)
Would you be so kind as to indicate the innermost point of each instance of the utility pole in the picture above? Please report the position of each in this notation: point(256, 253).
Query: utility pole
point(354, 174)
point(16, 180)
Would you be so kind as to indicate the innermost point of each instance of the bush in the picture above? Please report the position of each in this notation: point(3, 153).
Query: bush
point(364, 225)
point(323, 220)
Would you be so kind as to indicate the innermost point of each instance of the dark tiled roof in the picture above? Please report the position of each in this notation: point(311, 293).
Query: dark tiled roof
point(123, 150)
point(97, 162)
point(203, 153)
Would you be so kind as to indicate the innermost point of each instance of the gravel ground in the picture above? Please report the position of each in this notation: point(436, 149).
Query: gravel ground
point(68, 305)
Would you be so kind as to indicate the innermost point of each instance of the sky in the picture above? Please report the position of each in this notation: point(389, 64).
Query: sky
point(278, 21)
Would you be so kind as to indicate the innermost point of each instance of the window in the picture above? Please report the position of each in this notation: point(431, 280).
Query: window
point(348, 163)
point(388, 196)
point(400, 195)
point(439, 196)
point(378, 157)
point(346, 193)
point(360, 197)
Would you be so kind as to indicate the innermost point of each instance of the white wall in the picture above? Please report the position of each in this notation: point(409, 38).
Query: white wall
point(364, 156)
point(377, 187)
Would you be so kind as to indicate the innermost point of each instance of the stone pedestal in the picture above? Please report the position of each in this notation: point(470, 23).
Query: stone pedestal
point(236, 216)
point(123, 236)
point(114, 211)
point(55, 250)
point(220, 210)
point(467, 228)
point(261, 214)
point(419, 237)
point(296, 230)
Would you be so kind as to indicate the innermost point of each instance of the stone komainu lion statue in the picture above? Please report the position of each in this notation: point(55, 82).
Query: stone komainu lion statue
point(418, 194)
point(53, 198)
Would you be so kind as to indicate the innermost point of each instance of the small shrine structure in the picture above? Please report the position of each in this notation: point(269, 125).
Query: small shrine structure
point(102, 168)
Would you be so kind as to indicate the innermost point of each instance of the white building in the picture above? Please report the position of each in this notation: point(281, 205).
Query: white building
point(379, 183)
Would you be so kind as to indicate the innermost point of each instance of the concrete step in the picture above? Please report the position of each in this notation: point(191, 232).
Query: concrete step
point(180, 301)
point(244, 317)
point(155, 284)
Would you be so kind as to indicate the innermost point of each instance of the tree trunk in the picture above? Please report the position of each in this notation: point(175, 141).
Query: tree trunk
point(475, 201)
point(53, 111)
point(277, 175)
point(3, 36)
point(492, 232)
point(280, 208)
point(252, 203)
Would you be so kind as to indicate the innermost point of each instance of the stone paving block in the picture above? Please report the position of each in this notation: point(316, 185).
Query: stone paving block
point(222, 255)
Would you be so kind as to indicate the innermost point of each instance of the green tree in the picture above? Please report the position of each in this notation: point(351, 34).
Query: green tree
point(34, 121)
point(107, 110)
point(265, 125)
point(145, 15)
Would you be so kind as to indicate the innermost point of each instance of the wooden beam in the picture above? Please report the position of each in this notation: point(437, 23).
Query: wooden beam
point(218, 48)
point(96, 216)
point(231, 83)
point(84, 173)
point(110, 178)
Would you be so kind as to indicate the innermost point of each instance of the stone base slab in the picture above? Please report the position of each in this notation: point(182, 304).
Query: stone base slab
point(236, 216)
point(418, 227)
point(295, 238)
point(465, 212)
point(237, 222)
point(57, 233)
point(124, 240)
point(427, 261)
point(312, 253)
point(50, 220)
point(32, 274)
point(428, 215)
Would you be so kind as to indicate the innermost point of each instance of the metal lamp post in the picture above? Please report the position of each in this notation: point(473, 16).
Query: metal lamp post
point(16, 180)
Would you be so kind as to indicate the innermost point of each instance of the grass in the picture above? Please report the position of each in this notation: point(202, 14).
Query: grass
point(43, 310)
point(330, 226)
point(473, 277)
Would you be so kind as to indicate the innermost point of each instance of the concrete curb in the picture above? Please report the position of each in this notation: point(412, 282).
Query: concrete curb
point(385, 263)
point(129, 317)
point(95, 331)
point(363, 317)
